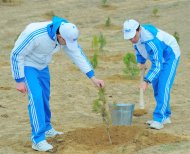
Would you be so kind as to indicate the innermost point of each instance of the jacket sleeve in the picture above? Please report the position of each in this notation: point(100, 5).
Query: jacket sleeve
point(23, 46)
point(79, 58)
point(140, 59)
point(155, 56)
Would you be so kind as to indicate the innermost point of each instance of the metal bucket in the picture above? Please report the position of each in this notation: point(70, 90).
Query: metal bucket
point(121, 114)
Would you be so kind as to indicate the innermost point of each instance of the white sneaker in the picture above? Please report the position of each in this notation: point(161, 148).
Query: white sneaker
point(149, 122)
point(167, 121)
point(52, 132)
point(42, 146)
point(156, 125)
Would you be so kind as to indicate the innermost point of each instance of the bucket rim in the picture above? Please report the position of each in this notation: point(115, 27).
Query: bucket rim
point(123, 104)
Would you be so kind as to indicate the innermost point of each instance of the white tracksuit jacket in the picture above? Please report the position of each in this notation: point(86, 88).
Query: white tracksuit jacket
point(35, 48)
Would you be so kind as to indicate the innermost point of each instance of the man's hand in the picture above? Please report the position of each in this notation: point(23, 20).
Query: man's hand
point(144, 85)
point(97, 82)
point(21, 86)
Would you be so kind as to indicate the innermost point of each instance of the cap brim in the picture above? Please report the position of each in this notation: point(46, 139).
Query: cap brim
point(72, 45)
point(129, 35)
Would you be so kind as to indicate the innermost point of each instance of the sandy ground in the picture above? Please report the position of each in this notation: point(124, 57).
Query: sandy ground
point(72, 93)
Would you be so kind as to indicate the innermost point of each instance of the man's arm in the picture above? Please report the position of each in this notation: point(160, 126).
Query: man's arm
point(23, 46)
point(82, 62)
point(155, 56)
point(140, 59)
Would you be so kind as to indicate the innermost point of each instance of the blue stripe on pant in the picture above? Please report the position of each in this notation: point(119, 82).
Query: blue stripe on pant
point(162, 87)
point(38, 85)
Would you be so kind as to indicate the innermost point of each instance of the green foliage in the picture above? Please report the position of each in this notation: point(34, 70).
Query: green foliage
point(102, 42)
point(176, 35)
point(99, 106)
point(131, 70)
point(155, 12)
point(102, 97)
point(129, 58)
point(10, 2)
point(94, 61)
point(96, 106)
point(98, 44)
point(95, 48)
point(108, 22)
point(104, 2)
point(95, 43)
point(6, 1)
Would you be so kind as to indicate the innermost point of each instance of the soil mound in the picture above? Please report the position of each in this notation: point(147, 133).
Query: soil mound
point(96, 139)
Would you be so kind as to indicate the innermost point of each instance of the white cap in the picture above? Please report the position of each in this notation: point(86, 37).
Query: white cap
point(129, 28)
point(69, 32)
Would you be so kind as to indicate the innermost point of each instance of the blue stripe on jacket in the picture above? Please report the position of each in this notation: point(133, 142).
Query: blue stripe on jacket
point(155, 56)
point(20, 48)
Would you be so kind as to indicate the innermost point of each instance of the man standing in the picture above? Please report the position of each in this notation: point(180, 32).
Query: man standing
point(29, 59)
point(162, 49)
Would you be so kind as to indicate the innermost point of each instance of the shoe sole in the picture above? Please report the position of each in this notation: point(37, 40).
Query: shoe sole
point(164, 123)
point(33, 147)
point(155, 128)
point(49, 136)
point(168, 122)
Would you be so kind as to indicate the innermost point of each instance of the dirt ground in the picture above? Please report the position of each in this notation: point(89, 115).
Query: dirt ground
point(72, 93)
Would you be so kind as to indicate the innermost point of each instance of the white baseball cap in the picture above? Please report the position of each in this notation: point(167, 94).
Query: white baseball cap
point(69, 32)
point(129, 28)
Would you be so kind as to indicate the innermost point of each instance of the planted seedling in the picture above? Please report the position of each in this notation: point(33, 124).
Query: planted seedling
point(98, 44)
point(95, 49)
point(94, 61)
point(131, 70)
point(95, 44)
point(10, 2)
point(104, 3)
point(99, 106)
point(102, 42)
point(6, 1)
point(108, 22)
point(155, 12)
